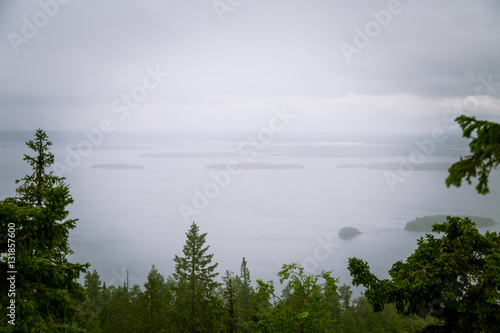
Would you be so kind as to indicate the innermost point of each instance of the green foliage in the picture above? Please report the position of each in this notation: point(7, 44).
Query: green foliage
point(123, 309)
point(426, 223)
point(485, 149)
point(455, 278)
point(93, 287)
point(196, 285)
point(244, 293)
point(329, 310)
point(47, 290)
point(230, 305)
point(304, 309)
point(91, 308)
point(32, 186)
point(157, 302)
point(345, 294)
point(360, 318)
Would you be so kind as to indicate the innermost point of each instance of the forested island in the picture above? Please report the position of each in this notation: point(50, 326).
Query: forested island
point(258, 166)
point(117, 166)
point(349, 232)
point(125, 147)
point(174, 154)
point(425, 223)
point(430, 166)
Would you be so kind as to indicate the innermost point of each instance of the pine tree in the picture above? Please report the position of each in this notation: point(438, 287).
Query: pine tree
point(195, 275)
point(46, 282)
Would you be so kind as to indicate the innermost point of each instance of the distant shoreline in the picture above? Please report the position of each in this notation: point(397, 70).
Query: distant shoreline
point(117, 166)
point(257, 166)
point(425, 223)
point(188, 154)
point(394, 166)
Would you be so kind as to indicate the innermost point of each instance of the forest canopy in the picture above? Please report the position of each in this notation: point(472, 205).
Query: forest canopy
point(425, 223)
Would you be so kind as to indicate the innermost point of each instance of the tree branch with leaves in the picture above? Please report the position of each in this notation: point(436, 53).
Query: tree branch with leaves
point(485, 149)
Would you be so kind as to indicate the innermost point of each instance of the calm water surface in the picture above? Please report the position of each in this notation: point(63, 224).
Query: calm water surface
point(129, 219)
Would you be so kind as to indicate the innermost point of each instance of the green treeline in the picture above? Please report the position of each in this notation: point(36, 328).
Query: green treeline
point(191, 300)
point(425, 223)
point(450, 283)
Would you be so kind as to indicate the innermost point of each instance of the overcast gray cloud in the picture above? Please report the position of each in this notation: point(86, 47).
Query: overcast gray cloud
point(408, 68)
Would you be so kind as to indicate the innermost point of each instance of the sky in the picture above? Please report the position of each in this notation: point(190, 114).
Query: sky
point(337, 66)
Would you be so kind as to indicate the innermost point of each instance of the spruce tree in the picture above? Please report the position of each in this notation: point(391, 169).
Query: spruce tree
point(31, 189)
point(46, 287)
point(195, 275)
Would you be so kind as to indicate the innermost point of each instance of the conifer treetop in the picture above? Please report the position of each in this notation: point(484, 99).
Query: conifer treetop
point(30, 190)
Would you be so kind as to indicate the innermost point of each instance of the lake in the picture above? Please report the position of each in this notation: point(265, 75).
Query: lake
point(128, 194)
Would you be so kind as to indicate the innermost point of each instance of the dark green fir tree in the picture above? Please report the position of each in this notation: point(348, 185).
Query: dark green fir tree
point(195, 275)
point(46, 289)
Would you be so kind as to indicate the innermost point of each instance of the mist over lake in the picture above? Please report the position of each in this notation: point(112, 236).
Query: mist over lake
point(294, 135)
point(129, 210)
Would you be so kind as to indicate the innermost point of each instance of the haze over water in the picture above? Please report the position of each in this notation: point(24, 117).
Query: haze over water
point(129, 219)
point(176, 86)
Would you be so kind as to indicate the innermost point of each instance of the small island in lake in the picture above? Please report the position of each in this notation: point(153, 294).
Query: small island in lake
point(117, 166)
point(425, 223)
point(174, 154)
point(349, 232)
point(257, 166)
point(394, 166)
